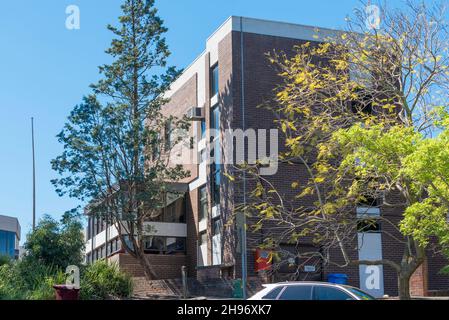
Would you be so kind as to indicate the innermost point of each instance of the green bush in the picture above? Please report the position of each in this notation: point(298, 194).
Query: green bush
point(4, 260)
point(44, 288)
point(29, 280)
point(32, 280)
point(12, 286)
point(102, 280)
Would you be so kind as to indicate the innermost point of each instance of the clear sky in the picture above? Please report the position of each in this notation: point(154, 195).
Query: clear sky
point(45, 69)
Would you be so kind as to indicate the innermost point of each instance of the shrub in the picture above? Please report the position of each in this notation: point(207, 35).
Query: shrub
point(44, 288)
point(4, 260)
point(12, 286)
point(29, 280)
point(102, 280)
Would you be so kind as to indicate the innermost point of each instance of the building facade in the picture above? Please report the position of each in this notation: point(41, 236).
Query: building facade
point(222, 90)
point(9, 237)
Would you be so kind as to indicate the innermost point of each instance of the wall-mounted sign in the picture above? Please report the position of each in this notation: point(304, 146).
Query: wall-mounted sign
point(309, 268)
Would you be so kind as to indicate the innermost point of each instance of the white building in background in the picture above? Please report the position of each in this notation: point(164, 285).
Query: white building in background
point(9, 236)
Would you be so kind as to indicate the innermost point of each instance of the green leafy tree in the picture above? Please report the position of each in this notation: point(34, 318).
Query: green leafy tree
point(359, 111)
point(56, 243)
point(117, 150)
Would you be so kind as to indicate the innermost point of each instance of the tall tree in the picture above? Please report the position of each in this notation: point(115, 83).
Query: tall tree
point(116, 154)
point(354, 108)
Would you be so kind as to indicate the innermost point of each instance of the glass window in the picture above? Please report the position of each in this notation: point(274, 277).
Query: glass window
point(203, 156)
point(203, 129)
point(370, 226)
point(214, 80)
point(330, 293)
point(272, 295)
point(359, 293)
point(114, 246)
point(175, 212)
point(7, 243)
point(128, 242)
point(215, 154)
point(176, 245)
point(216, 227)
point(215, 118)
point(203, 203)
point(155, 244)
point(89, 225)
point(215, 183)
point(370, 201)
point(302, 292)
point(165, 245)
point(203, 238)
point(168, 135)
point(154, 145)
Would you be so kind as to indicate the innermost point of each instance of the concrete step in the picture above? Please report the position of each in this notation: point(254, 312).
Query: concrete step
point(220, 288)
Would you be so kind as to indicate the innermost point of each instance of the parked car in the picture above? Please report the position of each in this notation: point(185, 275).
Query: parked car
point(310, 291)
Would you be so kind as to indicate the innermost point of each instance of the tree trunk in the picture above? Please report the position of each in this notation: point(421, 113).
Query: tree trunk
point(404, 286)
point(137, 254)
point(150, 274)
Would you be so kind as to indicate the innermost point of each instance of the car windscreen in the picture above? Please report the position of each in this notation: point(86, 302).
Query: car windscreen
point(360, 294)
point(272, 295)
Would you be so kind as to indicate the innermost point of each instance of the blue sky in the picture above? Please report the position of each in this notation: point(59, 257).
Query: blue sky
point(45, 69)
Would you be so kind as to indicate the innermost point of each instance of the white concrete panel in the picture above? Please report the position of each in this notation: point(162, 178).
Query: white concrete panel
point(166, 229)
point(216, 250)
point(371, 277)
point(202, 256)
point(368, 211)
point(216, 37)
point(214, 101)
point(215, 211)
point(202, 177)
point(100, 239)
point(369, 246)
point(157, 228)
point(10, 224)
point(202, 225)
point(88, 246)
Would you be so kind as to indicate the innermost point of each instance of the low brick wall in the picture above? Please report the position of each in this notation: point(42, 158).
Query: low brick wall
point(219, 288)
point(165, 266)
point(419, 281)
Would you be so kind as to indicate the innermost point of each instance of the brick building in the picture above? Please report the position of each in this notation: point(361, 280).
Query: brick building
point(222, 90)
point(9, 237)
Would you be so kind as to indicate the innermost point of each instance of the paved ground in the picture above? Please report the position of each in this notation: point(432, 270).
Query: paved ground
point(156, 297)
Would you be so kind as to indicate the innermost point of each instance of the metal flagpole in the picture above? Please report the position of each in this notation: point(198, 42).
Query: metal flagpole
point(34, 174)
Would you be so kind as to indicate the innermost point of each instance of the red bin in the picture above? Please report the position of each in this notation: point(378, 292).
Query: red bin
point(263, 260)
point(64, 292)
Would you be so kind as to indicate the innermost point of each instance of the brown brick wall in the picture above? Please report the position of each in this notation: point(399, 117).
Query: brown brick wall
point(437, 281)
point(260, 80)
point(165, 266)
point(181, 101)
point(419, 281)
